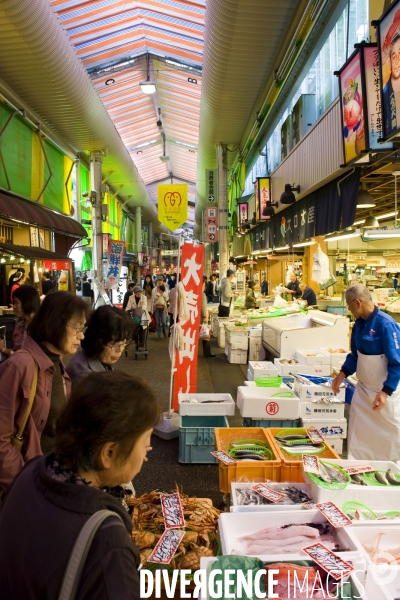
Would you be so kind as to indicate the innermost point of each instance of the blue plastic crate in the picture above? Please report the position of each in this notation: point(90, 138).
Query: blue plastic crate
point(196, 438)
point(249, 422)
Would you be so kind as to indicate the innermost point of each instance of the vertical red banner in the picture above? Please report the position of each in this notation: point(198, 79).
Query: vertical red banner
point(185, 374)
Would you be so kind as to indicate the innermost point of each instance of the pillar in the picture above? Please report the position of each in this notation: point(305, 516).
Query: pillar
point(151, 246)
point(96, 160)
point(222, 211)
point(138, 228)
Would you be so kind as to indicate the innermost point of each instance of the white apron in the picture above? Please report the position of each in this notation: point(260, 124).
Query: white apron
point(373, 435)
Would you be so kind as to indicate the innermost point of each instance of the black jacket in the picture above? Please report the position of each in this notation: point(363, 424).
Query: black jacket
point(127, 295)
point(39, 524)
point(310, 296)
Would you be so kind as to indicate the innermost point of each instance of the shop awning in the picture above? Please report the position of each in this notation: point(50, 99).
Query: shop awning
point(31, 252)
point(31, 213)
point(244, 199)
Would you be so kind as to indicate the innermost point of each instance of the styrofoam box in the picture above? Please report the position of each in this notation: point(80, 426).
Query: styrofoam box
point(237, 357)
point(287, 369)
point(255, 332)
point(232, 526)
point(336, 444)
point(373, 496)
point(374, 589)
point(367, 535)
point(307, 392)
point(249, 376)
point(328, 428)
point(318, 359)
point(261, 368)
point(260, 403)
point(200, 408)
point(250, 383)
point(238, 338)
point(265, 507)
point(336, 359)
point(319, 410)
point(256, 349)
point(321, 370)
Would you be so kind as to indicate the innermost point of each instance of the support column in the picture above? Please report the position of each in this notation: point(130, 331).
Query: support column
point(96, 160)
point(222, 211)
point(151, 246)
point(138, 228)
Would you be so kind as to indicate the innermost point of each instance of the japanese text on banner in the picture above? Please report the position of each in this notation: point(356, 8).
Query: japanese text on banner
point(116, 251)
point(185, 371)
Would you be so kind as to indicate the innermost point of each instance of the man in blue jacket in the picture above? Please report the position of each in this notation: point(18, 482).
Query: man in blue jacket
point(374, 428)
point(308, 295)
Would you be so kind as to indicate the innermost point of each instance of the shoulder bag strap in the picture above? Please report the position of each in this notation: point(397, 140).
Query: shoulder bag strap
point(78, 556)
point(19, 435)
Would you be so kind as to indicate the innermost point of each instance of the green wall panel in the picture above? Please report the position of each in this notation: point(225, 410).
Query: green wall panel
point(16, 146)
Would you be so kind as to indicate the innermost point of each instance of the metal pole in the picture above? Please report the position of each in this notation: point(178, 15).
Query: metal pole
point(222, 212)
point(96, 160)
point(178, 279)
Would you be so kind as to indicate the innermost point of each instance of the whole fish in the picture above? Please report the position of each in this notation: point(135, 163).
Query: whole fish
point(357, 479)
point(335, 474)
point(242, 455)
point(380, 477)
point(325, 476)
point(288, 438)
point(304, 449)
point(391, 478)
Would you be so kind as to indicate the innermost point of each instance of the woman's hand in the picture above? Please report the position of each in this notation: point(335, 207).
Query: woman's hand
point(337, 382)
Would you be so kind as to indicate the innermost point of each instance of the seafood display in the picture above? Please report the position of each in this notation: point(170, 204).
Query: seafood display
point(337, 351)
point(330, 474)
point(376, 478)
point(249, 450)
point(293, 495)
point(299, 444)
point(289, 361)
point(288, 539)
point(311, 579)
point(379, 555)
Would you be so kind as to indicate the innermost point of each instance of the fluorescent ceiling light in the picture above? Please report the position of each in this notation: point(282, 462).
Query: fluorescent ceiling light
point(343, 236)
point(282, 248)
point(378, 217)
point(148, 87)
point(301, 244)
point(377, 234)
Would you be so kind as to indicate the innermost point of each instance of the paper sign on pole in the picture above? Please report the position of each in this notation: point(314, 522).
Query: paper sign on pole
point(173, 204)
point(211, 224)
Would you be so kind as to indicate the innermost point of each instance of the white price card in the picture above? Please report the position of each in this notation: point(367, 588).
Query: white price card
point(314, 435)
point(309, 505)
point(333, 514)
point(172, 511)
point(166, 547)
point(224, 457)
point(267, 493)
point(360, 469)
point(329, 561)
point(311, 464)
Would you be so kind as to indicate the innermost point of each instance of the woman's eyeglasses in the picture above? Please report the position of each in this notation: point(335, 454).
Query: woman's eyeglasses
point(119, 347)
point(78, 330)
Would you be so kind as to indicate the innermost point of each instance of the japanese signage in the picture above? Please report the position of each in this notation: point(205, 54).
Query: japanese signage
point(224, 457)
point(172, 511)
point(211, 224)
point(329, 561)
point(34, 233)
point(261, 237)
point(388, 36)
point(333, 514)
point(310, 463)
point(264, 197)
point(61, 270)
point(243, 213)
point(173, 205)
point(267, 493)
point(370, 66)
point(185, 368)
point(211, 185)
point(166, 547)
point(167, 253)
point(106, 237)
point(115, 254)
point(360, 469)
point(314, 435)
point(352, 101)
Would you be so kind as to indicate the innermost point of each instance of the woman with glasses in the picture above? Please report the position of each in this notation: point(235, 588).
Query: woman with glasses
point(108, 334)
point(35, 375)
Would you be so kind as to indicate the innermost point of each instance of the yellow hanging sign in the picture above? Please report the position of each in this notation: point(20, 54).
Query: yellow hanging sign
point(173, 204)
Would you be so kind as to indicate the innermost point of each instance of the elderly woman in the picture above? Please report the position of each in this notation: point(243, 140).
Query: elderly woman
point(26, 303)
point(34, 383)
point(102, 439)
point(137, 308)
point(108, 334)
point(251, 300)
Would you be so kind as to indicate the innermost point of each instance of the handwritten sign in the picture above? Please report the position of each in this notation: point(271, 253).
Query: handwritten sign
point(166, 547)
point(333, 514)
point(360, 469)
point(329, 561)
point(267, 493)
point(172, 511)
point(314, 435)
point(309, 505)
point(311, 464)
point(224, 457)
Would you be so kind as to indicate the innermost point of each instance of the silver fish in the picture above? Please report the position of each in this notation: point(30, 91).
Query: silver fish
point(325, 476)
point(381, 478)
point(357, 479)
point(391, 478)
point(335, 474)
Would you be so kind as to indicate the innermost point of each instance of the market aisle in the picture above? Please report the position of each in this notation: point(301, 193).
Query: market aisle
point(163, 469)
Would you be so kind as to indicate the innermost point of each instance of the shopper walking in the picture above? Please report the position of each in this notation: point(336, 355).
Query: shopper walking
point(137, 308)
point(127, 295)
point(26, 304)
point(47, 284)
point(210, 289)
point(388, 282)
point(108, 333)
point(159, 299)
point(226, 294)
point(204, 317)
point(56, 329)
point(87, 293)
point(396, 281)
point(250, 300)
point(264, 287)
point(374, 428)
point(102, 441)
point(148, 288)
point(173, 299)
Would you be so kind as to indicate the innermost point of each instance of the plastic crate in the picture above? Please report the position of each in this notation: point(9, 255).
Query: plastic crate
point(249, 422)
point(292, 465)
point(196, 438)
point(245, 470)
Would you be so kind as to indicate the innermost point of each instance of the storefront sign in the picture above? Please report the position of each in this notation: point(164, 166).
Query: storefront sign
point(42, 239)
point(116, 250)
point(140, 259)
point(173, 204)
point(264, 197)
point(185, 371)
point(34, 233)
point(211, 185)
point(211, 225)
point(106, 237)
point(243, 213)
point(370, 67)
point(169, 252)
point(61, 271)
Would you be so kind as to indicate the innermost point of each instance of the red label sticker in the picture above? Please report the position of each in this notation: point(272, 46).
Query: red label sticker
point(166, 547)
point(333, 514)
point(172, 511)
point(267, 493)
point(272, 408)
point(314, 435)
point(224, 457)
point(329, 561)
point(310, 464)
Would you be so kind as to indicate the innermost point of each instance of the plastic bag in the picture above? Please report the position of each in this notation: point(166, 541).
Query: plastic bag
point(204, 332)
point(320, 269)
point(279, 301)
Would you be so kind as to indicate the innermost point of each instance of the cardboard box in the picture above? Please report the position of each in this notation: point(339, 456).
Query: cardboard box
point(319, 410)
point(328, 428)
point(310, 357)
point(262, 403)
point(308, 392)
point(262, 368)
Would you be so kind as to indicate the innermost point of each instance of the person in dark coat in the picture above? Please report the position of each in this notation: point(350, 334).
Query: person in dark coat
point(264, 287)
point(47, 284)
point(127, 295)
point(293, 286)
point(308, 295)
point(102, 438)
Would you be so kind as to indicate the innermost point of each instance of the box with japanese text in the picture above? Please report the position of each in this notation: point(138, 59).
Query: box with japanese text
point(328, 428)
point(268, 403)
point(320, 410)
point(261, 368)
point(313, 391)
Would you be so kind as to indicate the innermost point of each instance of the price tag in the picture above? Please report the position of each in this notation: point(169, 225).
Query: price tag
point(267, 493)
point(166, 547)
point(360, 469)
point(172, 511)
point(311, 464)
point(309, 505)
point(333, 514)
point(224, 457)
point(314, 435)
point(329, 561)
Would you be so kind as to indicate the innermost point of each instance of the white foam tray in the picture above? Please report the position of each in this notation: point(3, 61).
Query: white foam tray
point(261, 403)
point(376, 590)
point(227, 407)
point(319, 358)
point(265, 507)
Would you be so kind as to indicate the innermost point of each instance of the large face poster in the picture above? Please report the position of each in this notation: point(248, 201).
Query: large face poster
point(389, 50)
point(352, 109)
point(373, 91)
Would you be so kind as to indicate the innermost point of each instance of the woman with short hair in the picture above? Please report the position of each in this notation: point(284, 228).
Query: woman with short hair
point(102, 438)
point(108, 333)
point(26, 303)
point(250, 300)
point(56, 329)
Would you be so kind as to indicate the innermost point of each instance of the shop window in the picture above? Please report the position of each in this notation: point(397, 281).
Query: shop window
point(6, 234)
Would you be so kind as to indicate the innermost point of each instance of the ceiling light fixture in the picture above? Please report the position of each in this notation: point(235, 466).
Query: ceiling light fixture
point(278, 248)
point(380, 234)
point(365, 199)
point(370, 222)
point(348, 233)
point(148, 87)
point(307, 243)
point(268, 210)
point(288, 197)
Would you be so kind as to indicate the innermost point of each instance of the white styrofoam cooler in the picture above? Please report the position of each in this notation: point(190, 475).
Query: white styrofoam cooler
point(336, 444)
point(221, 404)
point(250, 383)
point(256, 348)
point(336, 359)
point(320, 370)
point(262, 403)
point(261, 368)
point(237, 338)
point(319, 410)
point(235, 356)
point(305, 357)
point(249, 376)
point(265, 507)
point(374, 588)
point(328, 428)
point(307, 392)
point(287, 369)
point(377, 496)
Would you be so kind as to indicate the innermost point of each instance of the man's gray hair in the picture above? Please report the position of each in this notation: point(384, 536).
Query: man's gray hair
point(358, 292)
